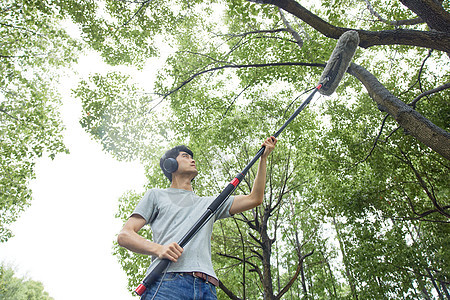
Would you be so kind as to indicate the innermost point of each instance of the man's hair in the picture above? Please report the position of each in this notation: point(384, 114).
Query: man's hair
point(173, 153)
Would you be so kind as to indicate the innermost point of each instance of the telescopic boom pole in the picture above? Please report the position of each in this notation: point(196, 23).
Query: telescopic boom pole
point(162, 265)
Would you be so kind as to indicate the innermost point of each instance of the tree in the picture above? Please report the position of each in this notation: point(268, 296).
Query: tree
point(372, 178)
point(34, 47)
point(12, 287)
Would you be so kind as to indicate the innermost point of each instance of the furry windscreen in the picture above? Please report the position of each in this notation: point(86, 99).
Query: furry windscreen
point(339, 61)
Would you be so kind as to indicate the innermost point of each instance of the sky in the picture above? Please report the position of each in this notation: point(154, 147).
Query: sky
point(65, 238)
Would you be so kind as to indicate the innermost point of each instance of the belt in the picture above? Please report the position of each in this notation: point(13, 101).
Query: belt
point(205, 277)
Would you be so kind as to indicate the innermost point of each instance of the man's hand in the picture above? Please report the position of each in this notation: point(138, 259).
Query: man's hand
point(269, 143)
point(171, 251)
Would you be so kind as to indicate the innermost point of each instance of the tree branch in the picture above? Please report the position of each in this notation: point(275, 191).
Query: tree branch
point(9, 115)
point(374, 144)
point(422, 183)
point(409, 119)
point(234, 100)
point(424, 214)
point(247, 221)
point(291, 30)
point(255, 32)
point(431, 12)
point(414, 21)
point(427, 93)
point(412, 271)
point(256, 240)
point(192, 77)
point(256, 268)
point(418, 75)
point(291, 282)
point(24, 29)
point(426, 39)
point(257, 254)
point(136, 13)
point(285, 181)
point(228, 292)
point(419, 219)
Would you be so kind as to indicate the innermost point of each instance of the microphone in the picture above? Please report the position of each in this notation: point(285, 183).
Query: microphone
point(339, 62)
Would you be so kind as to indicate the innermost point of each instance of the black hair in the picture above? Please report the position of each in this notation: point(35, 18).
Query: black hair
point(173, 153)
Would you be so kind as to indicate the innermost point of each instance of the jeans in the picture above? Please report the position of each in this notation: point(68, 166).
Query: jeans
point(176, 286)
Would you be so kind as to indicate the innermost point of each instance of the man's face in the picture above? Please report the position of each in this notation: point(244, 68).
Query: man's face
point(186, 164)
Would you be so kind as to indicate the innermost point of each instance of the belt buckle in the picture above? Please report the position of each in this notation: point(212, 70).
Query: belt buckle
point(201, 276)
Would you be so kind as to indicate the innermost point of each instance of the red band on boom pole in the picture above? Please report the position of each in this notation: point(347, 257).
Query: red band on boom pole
point(235, 182)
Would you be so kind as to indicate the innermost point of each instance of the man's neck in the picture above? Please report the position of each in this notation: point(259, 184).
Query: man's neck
point(181, 183)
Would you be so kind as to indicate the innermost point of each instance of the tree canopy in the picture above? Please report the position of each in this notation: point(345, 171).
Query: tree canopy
point(15, 288)
point(358, 188)
point(357, 199)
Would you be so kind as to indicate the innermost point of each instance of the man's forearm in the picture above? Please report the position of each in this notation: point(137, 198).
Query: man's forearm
point(136, 243)
point(245, 202)
point(257, 193)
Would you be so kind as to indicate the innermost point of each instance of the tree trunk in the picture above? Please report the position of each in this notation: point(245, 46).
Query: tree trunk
point(333, 281)
point(302, 272)
point(444, 288)
point(266, 253)
point(435, 284)
point(344, 259)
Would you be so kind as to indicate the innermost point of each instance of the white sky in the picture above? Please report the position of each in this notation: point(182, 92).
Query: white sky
point(64, 239)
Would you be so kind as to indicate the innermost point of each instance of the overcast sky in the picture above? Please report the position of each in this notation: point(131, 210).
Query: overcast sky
point(64, 239)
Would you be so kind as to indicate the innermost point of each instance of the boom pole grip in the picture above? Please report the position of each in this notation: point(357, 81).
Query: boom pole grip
point(159, 269)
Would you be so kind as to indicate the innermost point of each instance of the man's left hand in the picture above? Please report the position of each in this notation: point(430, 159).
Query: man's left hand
point(269, 143)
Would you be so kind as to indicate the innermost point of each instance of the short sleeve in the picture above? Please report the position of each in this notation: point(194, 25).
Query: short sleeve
point(224, 210)
point(147, 207)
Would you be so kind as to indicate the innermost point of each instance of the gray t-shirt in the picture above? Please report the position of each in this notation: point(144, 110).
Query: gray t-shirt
point(171, 213)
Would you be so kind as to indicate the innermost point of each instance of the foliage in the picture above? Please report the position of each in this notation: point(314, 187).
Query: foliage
point(356, 207)
point(34, 47)
point(356, 203)
point(15, 288)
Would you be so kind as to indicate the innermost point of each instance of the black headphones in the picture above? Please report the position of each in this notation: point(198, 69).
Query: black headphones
point(170, 164)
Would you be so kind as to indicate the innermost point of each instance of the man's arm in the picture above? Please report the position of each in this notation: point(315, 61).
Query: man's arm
point(245, 202)
point(130, 239)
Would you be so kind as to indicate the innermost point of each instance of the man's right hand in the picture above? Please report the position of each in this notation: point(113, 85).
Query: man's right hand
point(171, 251)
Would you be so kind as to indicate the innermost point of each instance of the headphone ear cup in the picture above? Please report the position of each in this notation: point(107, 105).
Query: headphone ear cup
point(170, 165)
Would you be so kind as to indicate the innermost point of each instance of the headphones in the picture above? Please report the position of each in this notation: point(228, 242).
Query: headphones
point(170, 164)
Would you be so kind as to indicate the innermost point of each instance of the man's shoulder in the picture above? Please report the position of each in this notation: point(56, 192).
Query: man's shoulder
point(154, 194)
point(155, 191)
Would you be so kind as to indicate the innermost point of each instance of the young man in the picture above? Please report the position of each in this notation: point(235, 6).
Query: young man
point(173, 211)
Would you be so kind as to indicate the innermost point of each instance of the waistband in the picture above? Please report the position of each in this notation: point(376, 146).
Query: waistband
point(203, 276)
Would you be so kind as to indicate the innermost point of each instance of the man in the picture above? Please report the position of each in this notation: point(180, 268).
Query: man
point(173, 211)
